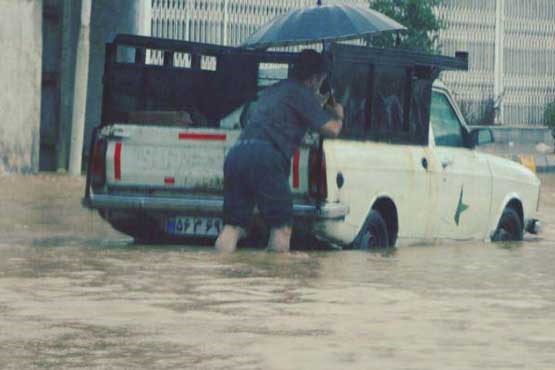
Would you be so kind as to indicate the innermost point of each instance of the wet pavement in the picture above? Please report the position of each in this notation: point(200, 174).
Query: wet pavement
point(74, 294)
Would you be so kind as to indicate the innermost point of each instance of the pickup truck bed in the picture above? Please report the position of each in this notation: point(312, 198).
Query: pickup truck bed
point(168, 173)
point(149, 158)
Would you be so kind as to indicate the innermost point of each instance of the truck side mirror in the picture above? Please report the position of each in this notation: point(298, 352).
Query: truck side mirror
point(481, 136)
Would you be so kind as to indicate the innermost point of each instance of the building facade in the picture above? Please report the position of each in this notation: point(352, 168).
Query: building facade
point(512, 58)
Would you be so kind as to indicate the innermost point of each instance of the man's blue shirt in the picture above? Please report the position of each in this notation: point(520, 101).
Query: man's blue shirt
point(283, 114)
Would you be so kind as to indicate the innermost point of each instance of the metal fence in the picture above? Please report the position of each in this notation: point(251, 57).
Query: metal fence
point(525, 78)
point(226, 22)
point(522, 85)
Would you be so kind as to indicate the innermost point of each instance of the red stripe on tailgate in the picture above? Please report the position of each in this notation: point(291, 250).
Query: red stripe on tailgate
point(117, 161)
point(202, 136)
point(296, 159)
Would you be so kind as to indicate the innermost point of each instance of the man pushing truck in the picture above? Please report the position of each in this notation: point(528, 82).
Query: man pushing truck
point(256, 168)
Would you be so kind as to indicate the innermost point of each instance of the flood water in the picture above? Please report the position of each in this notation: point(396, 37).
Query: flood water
point(74, 294)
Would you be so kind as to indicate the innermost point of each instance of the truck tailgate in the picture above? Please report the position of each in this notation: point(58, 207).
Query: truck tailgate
point(167, 157)
point(173, 158)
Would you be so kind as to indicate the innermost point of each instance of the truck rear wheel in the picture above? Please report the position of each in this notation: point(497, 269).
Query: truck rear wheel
point(510, 227)
point(374, 234)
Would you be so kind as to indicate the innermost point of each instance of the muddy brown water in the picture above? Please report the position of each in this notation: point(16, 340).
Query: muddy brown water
point(74, 294)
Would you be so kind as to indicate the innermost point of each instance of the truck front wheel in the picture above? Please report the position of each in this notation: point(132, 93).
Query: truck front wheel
point(510, 227)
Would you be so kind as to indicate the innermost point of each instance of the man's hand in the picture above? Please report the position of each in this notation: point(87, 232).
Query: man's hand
point(323, 98)
point(336, 109)
point(334, 126)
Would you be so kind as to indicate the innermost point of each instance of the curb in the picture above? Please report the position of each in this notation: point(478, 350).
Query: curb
point(541, 163)
point(546, 163)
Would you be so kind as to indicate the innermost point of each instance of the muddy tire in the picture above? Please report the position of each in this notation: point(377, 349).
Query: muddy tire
point(510, 227)
point(374, 234)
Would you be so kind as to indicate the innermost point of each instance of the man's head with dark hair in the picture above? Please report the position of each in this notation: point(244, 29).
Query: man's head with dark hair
point(310, 64)
point(311, 69)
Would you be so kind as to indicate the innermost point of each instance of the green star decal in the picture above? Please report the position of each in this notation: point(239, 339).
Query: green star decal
point(461, 207)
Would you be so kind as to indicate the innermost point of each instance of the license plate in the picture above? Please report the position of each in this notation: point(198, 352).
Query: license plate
point(194, 226)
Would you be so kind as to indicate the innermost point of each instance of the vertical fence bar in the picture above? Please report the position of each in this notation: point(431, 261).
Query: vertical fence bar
point(498, 85)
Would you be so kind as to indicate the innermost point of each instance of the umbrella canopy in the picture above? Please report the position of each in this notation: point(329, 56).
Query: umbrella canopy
point(321, 23)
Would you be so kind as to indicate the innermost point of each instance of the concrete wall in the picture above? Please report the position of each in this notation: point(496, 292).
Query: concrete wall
point(108, 18)
point(20, 78)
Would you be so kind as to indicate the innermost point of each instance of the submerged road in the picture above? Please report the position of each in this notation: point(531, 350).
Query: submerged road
point(74, 294)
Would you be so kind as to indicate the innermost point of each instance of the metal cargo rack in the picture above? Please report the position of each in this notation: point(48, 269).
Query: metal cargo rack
point(148, 73)
point(344, 53)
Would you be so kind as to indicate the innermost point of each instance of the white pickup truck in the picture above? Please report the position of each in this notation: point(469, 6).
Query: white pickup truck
point(404, 170)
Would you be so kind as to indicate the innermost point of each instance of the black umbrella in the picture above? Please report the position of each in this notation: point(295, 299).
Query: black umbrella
point(321, 23)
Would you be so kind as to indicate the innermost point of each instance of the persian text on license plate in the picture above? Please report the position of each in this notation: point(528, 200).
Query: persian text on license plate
point(195, 226)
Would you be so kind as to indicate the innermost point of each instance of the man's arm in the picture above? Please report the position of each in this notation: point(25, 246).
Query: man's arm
point(333, 127)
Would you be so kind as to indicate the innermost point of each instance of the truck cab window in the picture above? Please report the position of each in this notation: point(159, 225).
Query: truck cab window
point(445, 123)
point(271, 73)
point(268, 75)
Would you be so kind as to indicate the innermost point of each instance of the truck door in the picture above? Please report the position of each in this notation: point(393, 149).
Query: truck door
point(462, 177)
